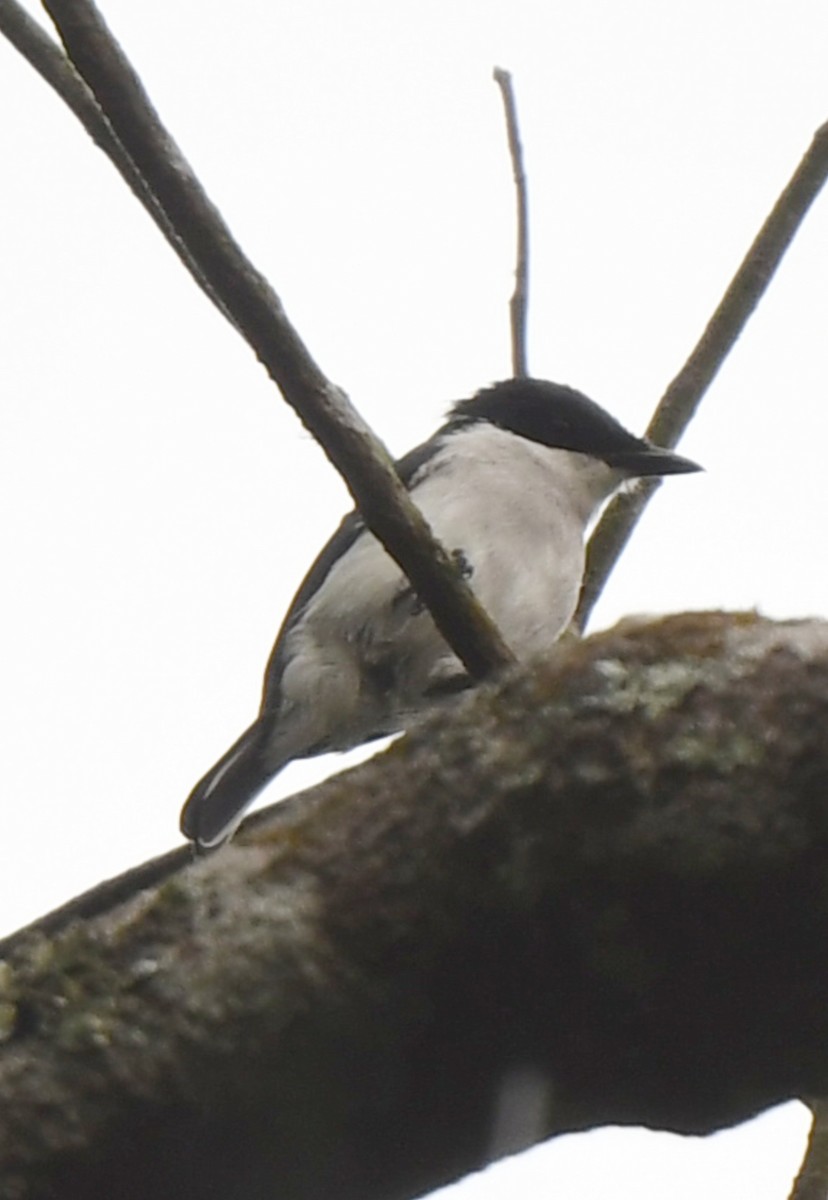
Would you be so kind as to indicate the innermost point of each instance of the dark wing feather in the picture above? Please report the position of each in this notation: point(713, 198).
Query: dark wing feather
point(350, 528)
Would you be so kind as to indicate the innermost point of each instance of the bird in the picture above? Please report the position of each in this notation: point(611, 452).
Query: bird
point(510, 484)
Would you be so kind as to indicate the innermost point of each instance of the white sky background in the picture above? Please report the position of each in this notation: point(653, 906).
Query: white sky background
point(160, 503)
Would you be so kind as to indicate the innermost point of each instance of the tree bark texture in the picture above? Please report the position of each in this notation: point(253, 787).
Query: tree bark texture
point(596, 891)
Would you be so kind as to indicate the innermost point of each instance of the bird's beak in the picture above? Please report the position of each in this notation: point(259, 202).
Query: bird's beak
point(652, 460)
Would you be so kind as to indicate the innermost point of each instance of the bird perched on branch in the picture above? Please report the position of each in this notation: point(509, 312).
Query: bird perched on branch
point(509, 485)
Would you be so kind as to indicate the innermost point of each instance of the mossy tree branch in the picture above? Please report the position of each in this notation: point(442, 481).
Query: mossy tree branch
point(610, 873)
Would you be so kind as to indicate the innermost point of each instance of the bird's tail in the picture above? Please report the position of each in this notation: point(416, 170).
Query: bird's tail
point(217, 802)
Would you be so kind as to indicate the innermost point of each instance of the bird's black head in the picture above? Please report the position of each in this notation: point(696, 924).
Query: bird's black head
point(560, 416)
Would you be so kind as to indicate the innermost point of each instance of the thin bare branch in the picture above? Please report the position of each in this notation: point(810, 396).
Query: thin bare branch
point(682, 397)
point(47, 58)
point(257, 313)
point(812, 1181)
point(518, 305)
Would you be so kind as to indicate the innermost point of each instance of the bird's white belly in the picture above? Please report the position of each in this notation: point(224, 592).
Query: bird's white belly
point(366, 650)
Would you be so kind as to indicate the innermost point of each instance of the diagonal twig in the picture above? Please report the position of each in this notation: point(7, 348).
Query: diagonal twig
point(47, 58)
point(811, 1182)
point(682, 397)
point(257, 313)
point(519, 303)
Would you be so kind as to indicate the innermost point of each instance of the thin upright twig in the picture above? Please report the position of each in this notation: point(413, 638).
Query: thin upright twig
point(257, 313)
point(682, 397)
point(519, 303)
point(812, 1181)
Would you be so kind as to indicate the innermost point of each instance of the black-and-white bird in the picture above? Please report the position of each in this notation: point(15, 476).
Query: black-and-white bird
point(509, 485)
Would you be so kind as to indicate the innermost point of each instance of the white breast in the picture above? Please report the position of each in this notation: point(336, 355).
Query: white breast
point(363, 653)
point(518, 511)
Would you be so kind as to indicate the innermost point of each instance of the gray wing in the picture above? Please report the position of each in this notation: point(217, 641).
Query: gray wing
point(410, 469)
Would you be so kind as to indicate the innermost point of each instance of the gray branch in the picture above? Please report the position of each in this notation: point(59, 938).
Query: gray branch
point(47, 58)
point(104, 91)
point(683, 396)
point(519, 303)
point(594, 892)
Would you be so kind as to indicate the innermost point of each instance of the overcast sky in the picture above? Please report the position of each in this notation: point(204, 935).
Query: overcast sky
point(160, 503)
